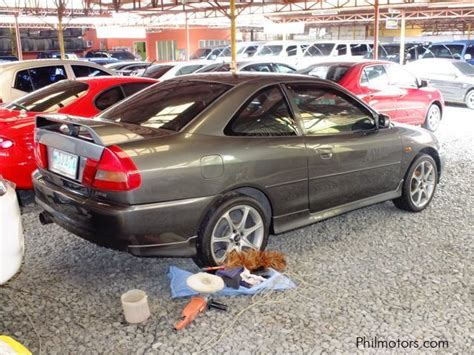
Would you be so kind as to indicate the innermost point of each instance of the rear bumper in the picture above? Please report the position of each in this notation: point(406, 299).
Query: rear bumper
point(166, 229)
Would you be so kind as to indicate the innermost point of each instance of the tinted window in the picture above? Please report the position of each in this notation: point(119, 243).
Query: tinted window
point(132, 88)
point(374, 76)
point(200, 53)
point(51, 98)
point(291, 51)
point(83, 71)
point(341, 49)
point(326, 111)
point(282, 68)
point(36, 78)
point(218, 67)
point(266, 114)
point(359, 49)
point(188, 69)
point(168, 105)
point(329, 72)
point(270, 50)
point(109, 97)
point(266, 67)
point(123, 55)
point(157, 71)
point(319, 49)
point(470, 51)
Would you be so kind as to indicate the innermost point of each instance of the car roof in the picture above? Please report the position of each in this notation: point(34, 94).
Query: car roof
point(363, 62)
point(437, 60)
point(41, 62)
point(116, 79)
point(247, 77)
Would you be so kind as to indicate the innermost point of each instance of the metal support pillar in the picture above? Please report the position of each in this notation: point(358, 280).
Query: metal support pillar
point(376, 30)
point(402, 38)
point(187, 35)
point(19, 50)
point(233, 38)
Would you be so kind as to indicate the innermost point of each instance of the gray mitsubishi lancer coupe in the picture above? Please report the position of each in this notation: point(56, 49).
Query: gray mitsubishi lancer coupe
point(204, 164)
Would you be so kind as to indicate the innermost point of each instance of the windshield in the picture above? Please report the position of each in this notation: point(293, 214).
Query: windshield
point(269, 50)
point(168, 105)
point(465, 68)
point(51, 98)
point(333, 72)
point(319, 49)
point(123, 55)
point(200, 53)
point(444, 51)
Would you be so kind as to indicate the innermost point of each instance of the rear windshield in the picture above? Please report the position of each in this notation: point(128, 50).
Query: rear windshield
point(157, 71)
point(168, 105)
point(51, 98)
point(319, 49)
point(333, 72)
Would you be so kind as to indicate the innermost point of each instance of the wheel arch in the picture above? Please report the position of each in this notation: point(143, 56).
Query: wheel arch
point(432, 153)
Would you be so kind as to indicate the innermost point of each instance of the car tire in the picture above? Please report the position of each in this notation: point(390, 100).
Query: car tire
point(419, 185)
point(25, 197)
point(470, 99)
point(222, 229)
point(433, 118)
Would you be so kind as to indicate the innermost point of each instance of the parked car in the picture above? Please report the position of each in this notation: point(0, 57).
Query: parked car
point(323, 51)
point(57, 55)
point(451, 50)
point(20, 78)
point(107, 57)
point(391, 52)
point(169, 70)
point(12, 243)
point(454, 78)
point(198, 166)
point(127, 68)
point(207, 53)
point(8, 58)
point(85, 97)
point(269, 66)
point(388, 87)
point(289, 51)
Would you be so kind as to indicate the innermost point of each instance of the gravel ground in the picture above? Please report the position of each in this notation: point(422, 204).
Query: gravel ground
point(376, 272)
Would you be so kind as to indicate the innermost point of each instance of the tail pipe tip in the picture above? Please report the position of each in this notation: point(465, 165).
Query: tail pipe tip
point(45, 218)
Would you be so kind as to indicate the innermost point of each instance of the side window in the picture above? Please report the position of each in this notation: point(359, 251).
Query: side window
point(188, 69)
point(359, 49)
point(341, 49)
point(401, 77)
point(83, 71)
point(258, 67)
point(374, 76)
point(470, 51)
point(109, 97)
point(265, 114)
point(291, 51)
point(325, 111)
point(44, 76)
point(282, 68)
point(23, 81)
point(132, 88)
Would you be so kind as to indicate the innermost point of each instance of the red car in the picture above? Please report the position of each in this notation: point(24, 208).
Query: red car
point(388, 88)
point(82, 97)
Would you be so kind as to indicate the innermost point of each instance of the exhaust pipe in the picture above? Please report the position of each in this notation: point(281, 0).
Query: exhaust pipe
point(45, 218)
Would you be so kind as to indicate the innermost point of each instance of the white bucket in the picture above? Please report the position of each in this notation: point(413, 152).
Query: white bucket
point(135, 306)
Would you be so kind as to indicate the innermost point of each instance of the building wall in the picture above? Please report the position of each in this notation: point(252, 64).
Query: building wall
point(178, 35)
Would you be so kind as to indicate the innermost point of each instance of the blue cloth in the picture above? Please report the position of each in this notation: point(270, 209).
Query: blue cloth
point(179, 288)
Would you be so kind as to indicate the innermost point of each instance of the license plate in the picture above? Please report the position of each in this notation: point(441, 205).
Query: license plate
point(64, 163)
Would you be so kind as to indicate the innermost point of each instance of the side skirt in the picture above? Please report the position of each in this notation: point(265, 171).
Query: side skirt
point(300, 219)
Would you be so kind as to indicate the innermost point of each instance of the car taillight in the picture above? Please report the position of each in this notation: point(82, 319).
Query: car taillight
point(5, 143)
point(41, 155)
point(114, 171)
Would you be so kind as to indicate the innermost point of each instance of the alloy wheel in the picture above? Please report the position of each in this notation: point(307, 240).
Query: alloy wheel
point(470, 100)
point(422, 184)
point(434, 117)
point(239, 228)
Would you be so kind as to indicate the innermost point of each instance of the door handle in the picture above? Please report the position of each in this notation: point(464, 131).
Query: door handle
point(324, 153)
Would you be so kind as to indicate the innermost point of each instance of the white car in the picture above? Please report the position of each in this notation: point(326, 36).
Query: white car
point(262, 66)
point(20, 78)
point(11, 236)
point(164, 71)
point(322, 51)
point(289, 51)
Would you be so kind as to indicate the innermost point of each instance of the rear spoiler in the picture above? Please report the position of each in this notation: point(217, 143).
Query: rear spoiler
point(101, 132)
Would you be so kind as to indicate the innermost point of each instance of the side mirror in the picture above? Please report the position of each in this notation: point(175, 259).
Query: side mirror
point(384, 120)
point(467, 56)
point(422, 83)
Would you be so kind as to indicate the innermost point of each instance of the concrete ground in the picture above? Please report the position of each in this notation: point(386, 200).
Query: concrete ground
point(374, 273)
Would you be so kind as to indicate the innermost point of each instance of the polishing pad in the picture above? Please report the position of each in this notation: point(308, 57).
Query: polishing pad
point(205, 283)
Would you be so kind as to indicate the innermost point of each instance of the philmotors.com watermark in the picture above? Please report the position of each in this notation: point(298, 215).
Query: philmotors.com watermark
point(379, 343)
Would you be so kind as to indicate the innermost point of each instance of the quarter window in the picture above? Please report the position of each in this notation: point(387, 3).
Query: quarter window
point(36, 78)
point(325, 111)
point(265, 114)
point(109, 97)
